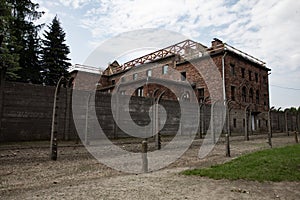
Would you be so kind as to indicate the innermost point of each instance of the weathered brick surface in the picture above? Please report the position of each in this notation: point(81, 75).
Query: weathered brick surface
point(241, 75)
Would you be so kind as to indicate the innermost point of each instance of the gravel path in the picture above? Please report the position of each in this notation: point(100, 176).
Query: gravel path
point(27, 173)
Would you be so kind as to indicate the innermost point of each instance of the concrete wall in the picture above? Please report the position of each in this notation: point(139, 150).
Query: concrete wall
point(26, 114)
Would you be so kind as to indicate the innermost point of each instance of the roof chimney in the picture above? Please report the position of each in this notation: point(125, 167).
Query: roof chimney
point(216, 43)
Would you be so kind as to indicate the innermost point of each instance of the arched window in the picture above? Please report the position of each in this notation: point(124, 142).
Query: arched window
point(257, 96)
point(139, 92)
point(251, 95)
point(185, 96)
point(244, 94)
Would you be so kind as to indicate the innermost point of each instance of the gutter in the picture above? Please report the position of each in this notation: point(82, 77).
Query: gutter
point(223, 74)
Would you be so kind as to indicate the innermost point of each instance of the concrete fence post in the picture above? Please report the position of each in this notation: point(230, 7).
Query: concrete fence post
point(86, 129)
point(227, 145)
point(296, 137)
point(54, 125)
point(200, 121)
point(246, 124)
point(212, 124)
point(270, 127)
point(157, 127)
point(286, 121)
point(144, 156)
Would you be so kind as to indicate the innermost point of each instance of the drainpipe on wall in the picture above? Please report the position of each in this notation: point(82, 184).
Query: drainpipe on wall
point(223, 77)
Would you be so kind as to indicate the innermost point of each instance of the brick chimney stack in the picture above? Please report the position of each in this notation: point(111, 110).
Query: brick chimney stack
point(216, 43)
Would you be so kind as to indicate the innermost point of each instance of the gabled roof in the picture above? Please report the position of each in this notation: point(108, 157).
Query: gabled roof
point(187, 50)
point(84, 68)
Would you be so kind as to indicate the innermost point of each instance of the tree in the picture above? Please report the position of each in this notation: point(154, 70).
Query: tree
point(55, 54)
point(20, 45)
point(26, 32)
point(30, 61)
point(9, 64)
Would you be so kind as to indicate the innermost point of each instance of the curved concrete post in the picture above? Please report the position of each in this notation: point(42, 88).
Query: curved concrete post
point(157, 136)
point(246, 123)
point(86, 138)
point(54, 127)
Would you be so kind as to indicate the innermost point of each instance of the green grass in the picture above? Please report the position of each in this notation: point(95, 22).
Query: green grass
point(278, 164)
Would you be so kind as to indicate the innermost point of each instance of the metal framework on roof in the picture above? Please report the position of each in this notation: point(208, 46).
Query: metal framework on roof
point(180, 48)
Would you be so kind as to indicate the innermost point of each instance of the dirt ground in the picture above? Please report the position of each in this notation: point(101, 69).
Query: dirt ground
point(26, 172)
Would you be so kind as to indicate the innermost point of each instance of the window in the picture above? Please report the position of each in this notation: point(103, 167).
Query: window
point(265, 99)
point(244, 123)
point(256, 77)
point(234, 123)
point(149, 73)
point(186, 96)
point(250, 75)
point(122, 92)
point(251, 95)
point(243, 72)
point(232, 69)
point(264, 80)
point(165, 69)
point(183, 76)
point(266, 123)
point(140, 92)
point(113, 82)
point(259, 123)
point(201, 94)
point(233, 93)
point(135, 76)
point(244, 94)
point(257, 96)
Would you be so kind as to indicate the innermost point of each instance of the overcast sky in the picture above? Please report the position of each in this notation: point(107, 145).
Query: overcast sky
point(268, 30)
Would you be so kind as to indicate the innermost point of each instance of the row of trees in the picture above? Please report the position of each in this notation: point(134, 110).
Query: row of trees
point(25, 57)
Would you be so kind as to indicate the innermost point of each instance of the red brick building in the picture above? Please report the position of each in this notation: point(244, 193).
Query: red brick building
point(180, 67)
point(87, 79)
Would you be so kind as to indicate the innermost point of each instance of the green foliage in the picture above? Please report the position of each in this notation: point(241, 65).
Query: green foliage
point(55, 54)
point(19, 50)
point(294, 110)
point(9, 59)
point(280, 164)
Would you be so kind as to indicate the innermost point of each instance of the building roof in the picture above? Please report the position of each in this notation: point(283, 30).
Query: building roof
point(85, 68)
point(187, 50)
point(220, 46)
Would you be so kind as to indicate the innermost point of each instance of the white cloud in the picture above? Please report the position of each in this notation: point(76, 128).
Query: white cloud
point(266, 29)
point(188, 17)
point(269, 30)
point(74, 3)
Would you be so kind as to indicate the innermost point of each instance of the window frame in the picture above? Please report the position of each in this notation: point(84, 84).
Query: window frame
point(244, 94)
point(183, 76)
point(251, 95)
point(201, 97)
point(149, 73)
point(256, 78)
point(233, 91)
point(232, 69)
point(165, 69)
point(250, 75)
point(243, 72)
point(140, 92)
point(134, 76)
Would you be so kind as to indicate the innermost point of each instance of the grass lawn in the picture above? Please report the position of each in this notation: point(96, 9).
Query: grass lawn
point(278, 164)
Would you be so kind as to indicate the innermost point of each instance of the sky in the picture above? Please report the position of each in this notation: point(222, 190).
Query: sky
point(266, 29)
